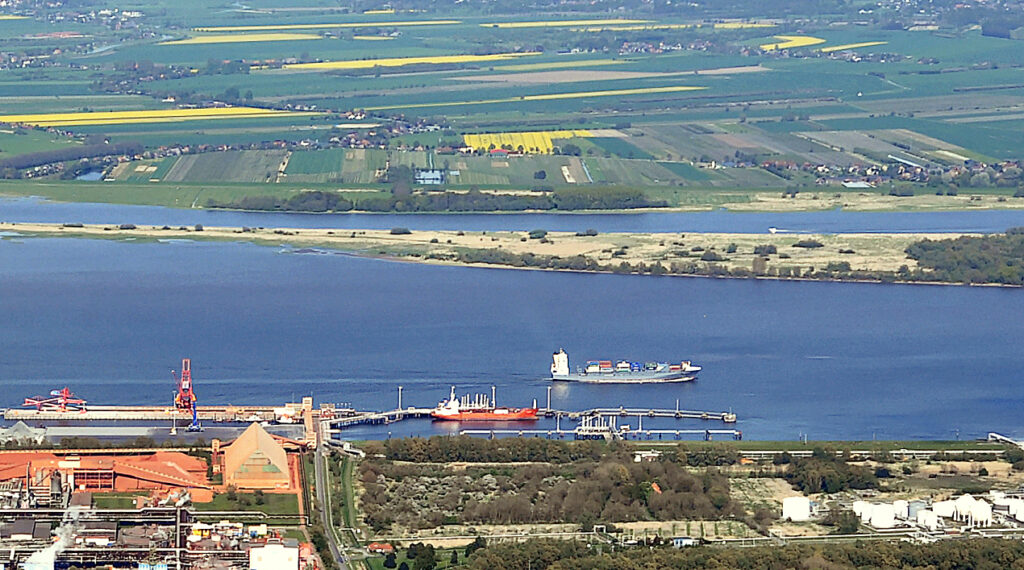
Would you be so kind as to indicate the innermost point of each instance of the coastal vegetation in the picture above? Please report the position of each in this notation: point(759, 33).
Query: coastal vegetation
point(610, 489)
point(978, 554)
point(997, 258)
point(588, 198)
point(886, 258)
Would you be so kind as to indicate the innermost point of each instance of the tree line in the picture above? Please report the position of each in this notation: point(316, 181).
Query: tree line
point(472, 201)
point(71, 152)
point(547, 554)
point(995, 258)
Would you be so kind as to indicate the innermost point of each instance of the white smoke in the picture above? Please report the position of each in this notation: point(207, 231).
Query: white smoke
point(46, 558)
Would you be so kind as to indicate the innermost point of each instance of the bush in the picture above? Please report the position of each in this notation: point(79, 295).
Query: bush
point(711, 256)
point(808, 244)
point(400, 231)
point(538, 234)
point(765, 249)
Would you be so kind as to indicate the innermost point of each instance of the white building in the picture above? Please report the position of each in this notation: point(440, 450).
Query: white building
point(928, 519)
point(980, 514)
point(863, 510)
point(944, 509)
point(796, 509)
point(902, 509)
point(274, 557)
point(883, 516)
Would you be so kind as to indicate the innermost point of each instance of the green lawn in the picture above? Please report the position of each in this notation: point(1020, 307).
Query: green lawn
point(115, 500)
point(273, 503)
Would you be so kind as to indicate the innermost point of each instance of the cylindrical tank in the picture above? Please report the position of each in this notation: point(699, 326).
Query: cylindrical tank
point(883, 516)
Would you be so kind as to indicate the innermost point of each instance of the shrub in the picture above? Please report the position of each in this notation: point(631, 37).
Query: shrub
point(538, 234)
point(400, 231)
point(808, 244)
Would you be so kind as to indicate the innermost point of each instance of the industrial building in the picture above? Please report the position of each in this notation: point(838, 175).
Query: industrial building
point(274, 557)
point(48, 478)
point(256, 460)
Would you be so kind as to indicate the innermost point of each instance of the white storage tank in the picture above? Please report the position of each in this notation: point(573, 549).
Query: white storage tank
point(902, 509)
point(980, 514)
point(928, 519)
point(796, 509)
point(883, 516)
point(914, 507)
point(963, 507)
point(863, 510)
point(945, 509)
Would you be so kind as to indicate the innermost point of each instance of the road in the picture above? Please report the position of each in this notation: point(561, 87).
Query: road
point(325, 509)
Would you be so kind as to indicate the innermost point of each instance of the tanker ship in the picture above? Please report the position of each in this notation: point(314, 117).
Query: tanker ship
point(479, 408)
point(622, 371)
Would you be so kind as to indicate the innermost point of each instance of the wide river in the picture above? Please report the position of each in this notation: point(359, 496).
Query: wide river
point(830, 221)
point(110, 319)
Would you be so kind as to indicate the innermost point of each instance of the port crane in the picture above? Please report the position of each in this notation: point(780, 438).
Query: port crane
point(185, 398)
point(58, 401)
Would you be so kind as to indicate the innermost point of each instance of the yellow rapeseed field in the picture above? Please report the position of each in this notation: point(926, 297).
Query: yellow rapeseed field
point(530, 141)
point(563, 23)
point(400, 61)
point(9, 17)
point(741, 25)
point(635, 27)
point(381, 11)
point(548, 97)
point(241, 38)
point(560, 64)
point(789, 42)
point(831, 49)
point(270, 27)
point(148, 116)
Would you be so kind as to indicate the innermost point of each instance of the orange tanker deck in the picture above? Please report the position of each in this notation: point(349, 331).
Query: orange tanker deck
point(479, 409)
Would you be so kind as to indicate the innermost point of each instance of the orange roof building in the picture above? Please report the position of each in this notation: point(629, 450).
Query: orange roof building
point(45, 471)
point(256, 461)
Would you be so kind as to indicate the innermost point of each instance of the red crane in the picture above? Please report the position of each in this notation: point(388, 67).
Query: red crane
point(185, 399)
point(58, 401)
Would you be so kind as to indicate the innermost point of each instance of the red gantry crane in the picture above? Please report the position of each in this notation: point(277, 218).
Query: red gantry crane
point(58, 401)
point(185, 399)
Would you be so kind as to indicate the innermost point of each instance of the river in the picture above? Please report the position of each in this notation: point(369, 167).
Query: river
point(830, 221)
point(110, 319)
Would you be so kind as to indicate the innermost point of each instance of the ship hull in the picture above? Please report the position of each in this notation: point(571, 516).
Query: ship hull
point(488, 416)
point(626, 378)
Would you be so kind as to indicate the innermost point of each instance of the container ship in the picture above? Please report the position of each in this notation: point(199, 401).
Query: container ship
point(479, 408)
point(622, 371)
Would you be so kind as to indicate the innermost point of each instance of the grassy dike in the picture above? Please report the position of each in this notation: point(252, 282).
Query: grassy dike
point(603, 252)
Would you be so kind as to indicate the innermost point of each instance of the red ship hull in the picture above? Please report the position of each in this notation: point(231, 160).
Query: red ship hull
point(491, 415)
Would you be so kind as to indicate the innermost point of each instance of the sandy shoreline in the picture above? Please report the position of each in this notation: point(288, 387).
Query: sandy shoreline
point(870, 252)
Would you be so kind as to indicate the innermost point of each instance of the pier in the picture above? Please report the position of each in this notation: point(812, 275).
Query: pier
point(593, 423)
point(606, 428)
point(144, 413)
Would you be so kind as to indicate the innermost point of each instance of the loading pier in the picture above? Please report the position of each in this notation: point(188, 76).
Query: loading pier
point(593, 423)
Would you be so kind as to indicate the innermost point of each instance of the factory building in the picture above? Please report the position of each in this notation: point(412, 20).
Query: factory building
point(51, 477)
point(256, 461)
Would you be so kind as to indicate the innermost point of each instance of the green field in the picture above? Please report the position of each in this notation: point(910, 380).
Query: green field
point(947, 94)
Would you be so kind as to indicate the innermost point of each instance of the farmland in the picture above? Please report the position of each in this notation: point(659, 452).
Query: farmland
point(672, 105)
point(129, 117)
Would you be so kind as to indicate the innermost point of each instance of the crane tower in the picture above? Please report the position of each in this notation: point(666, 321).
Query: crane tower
point(185, 399)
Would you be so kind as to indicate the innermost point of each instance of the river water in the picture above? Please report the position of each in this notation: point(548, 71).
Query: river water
point(831, 221)
point(110, 319)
